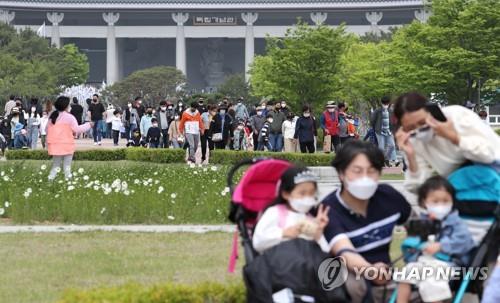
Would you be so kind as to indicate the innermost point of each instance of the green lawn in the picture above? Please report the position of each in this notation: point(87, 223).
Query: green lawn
point(39, 267)
point(115, 192)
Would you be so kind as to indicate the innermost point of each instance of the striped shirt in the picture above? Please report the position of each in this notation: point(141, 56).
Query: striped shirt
point(371, 235)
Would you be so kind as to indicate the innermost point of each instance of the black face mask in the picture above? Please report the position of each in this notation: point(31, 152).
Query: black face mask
point(150, 112)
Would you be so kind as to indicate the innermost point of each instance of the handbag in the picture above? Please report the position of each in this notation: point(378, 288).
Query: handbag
point(217, 137)
point(327, 144)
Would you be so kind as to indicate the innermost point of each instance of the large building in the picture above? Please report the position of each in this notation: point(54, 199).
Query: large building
point(206, 39)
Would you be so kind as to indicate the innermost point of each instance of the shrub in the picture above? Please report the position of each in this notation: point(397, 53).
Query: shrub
point(232, 157)
point(160, 155)
point(91, 155)
point(497, 131)
point(167, 293)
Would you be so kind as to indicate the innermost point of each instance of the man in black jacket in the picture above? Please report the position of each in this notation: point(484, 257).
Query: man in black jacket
point(77, 111)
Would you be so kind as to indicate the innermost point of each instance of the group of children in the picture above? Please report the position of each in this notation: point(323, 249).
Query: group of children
point(288, 217)
point(17, 133)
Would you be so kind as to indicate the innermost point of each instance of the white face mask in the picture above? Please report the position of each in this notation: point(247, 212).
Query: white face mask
point(33, 109)
point(270, 120)
point(425, 136)
point(385, 106)
point(222, 111)
point(129, 105)
point(440, 211)
point(303, 205)
point(307, 115)
point(259, 113)
point(331, 110)
point(163, 108)
point(363, 188)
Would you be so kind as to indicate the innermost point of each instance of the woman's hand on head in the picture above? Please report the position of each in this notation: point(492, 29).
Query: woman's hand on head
point(444, 129)
point(403, 141)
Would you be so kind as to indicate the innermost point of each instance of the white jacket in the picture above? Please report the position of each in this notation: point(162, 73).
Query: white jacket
point(478, 143)
point(288, 129)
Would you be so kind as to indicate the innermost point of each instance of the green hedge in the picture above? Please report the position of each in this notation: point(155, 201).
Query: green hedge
point(231, 157)
point(168, 293)
point(498, 131)
point(173, 156)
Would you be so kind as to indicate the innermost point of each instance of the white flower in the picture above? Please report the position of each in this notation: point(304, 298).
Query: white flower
point(126, 192)
point(213, 168)
point(6, 178)
point(56, 196)
point(124, 185)
point(136, 181)
point(132, 191)
point(150, 180)
point(60, 181)
point(96, 187)
point(7, 204)
point(195, 172)
point(214, 181)
point(145, 183)
point(155, 173)
point(71, 187)
point(157, 182)
point(171, 217)
point(160, 189)
point(2, 173)
point(192, 165)
point(81, 170)
point(43, 167)
point(103, 210)
point(205, 169)
point(223, 193)
point(85, 178)
point(2, 211)
point(97, 182)
point(173, 195)
point(58, 169)
point(218, 211)
point(26, 194)
point(29, 190)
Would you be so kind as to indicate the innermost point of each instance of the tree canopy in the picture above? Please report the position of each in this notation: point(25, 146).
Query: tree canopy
point(29, 66)
point(153, 84)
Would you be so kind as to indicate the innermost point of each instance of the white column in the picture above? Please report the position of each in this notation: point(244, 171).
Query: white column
point(6, 16)
point(55, 19)
point(422, 15)
point(180, 42)
point(111, 53)
point(374, 18)
point(318, 18)
point(249, 19)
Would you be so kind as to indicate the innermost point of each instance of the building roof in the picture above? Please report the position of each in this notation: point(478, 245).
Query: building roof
point(205, 4)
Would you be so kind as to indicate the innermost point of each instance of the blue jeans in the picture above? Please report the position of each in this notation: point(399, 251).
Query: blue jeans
point(276, 141)
point(384, 142)
point(20, 141)
point(263, 144)
point(33, 137)
point(96, 131)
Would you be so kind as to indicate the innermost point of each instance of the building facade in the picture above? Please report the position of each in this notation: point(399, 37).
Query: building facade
point(205, 39)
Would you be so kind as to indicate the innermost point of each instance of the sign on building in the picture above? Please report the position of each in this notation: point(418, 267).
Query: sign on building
point(207, 20)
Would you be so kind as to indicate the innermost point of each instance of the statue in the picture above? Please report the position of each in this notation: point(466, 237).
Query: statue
point(212, 64)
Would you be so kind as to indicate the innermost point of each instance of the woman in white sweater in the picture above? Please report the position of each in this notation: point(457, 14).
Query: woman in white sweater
point(442, 147)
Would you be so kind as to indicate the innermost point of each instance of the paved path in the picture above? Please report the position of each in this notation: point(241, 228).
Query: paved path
point(119, 228)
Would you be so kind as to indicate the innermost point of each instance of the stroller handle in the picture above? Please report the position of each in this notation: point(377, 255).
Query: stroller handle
point(237, 166)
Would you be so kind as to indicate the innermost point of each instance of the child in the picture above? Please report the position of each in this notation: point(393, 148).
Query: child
point(136, 140)
point(61, 132)
point(174, 134)
point(288, 217)
point(20, 139)
point(116, 124)
point(154, 134)
point(240, 140)
point(43, 128)
point(264, 134)
point(437, 195)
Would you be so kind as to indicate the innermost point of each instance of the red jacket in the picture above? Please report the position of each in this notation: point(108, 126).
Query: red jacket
point(332, 125)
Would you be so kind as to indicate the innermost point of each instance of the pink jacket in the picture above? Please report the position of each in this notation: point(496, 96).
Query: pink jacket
point(60, 136)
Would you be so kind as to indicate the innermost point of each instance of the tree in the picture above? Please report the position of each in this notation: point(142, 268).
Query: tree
point(300, 67)
point(29, 66)
point(153, 84)
point(235, 86)
point(456, 50)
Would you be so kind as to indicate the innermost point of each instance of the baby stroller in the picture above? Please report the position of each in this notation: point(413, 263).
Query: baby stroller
point(478, 203)
point(264, 282)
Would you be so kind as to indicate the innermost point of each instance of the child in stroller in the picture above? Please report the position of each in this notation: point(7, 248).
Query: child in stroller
point(451, 246)
point(287, 218)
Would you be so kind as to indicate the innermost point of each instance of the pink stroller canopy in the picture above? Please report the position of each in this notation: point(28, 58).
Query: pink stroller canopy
point(257, 187)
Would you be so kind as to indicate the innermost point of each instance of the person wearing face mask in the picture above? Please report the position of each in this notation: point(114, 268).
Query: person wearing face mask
point(44, 121)
point(381, 122)
point(432, 146)
point(61, 130)
point(153, 136)
point(130, 120)
point(202, 107)
point(263, 139)
point(176, 138)
point(180, 108)
point(329, 122)
point(221, 130)
point(276, 135)
point(437, 196)
point(141, 110)
point(163, 117)
point(363, 214)
point(241, 111)
point(256, 123)
point(146, 122)
point(289, 132)
point(305, 131)
point(207, 118)
point(284, 108)
point(288, 216)
point(192, 127)
point(33, 127)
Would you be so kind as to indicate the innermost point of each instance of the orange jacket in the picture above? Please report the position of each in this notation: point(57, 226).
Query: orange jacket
point(190, 122)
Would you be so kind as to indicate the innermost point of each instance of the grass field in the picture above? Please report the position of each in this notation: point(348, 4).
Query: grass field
point(39, 267)
point(117, 192)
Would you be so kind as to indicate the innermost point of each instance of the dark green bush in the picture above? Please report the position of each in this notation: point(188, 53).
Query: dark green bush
point(159, 155)
point(167, 293)
point(498, 131)
point(232, 157)
point(173, 156)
